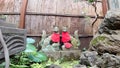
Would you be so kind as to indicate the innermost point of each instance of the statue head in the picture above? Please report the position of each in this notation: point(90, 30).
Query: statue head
point(64, 29)
point(56, 29)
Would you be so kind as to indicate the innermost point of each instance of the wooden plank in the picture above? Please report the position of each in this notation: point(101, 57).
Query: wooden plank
point(39, 6)
point(7, 5)
point(88, 26)
point(83, 7)
point(32, 6)
point(68, 9)
point(14, 19)
point(83, 25)
point(10, 6)
point(4, 6)
point(28, 24)
point(42, 6)
point(72, 7)
point(48, 23)
point(22, 14)
point(35, 24)
point(2, 23)
point(17, 6)
point(104, 6)
point(9, 19)
point(61, 6)
point(76, 25)
point(63, 22)
point(39, 26)
point(48, 6)
point(1, 5)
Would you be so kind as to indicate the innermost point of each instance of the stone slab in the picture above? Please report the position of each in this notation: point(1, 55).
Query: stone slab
point(67, 55)
point(54, 55)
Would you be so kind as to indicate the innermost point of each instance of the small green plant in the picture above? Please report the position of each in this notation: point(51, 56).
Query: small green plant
point(32, 59)
point(37, 65)
point(27, 57)
point(18, 66)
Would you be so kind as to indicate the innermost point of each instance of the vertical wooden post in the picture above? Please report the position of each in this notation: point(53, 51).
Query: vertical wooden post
point(104, 6)
point(22, 14)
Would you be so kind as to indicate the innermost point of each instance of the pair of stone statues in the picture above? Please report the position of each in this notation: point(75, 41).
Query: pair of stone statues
point(57, 41)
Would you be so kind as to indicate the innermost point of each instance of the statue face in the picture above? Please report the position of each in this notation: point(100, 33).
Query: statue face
point(64, 29)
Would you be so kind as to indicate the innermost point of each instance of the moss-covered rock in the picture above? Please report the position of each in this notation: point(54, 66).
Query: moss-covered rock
point(104, 43)
point(96, 40)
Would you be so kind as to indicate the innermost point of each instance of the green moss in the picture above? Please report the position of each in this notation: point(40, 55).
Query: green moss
point(97, 39)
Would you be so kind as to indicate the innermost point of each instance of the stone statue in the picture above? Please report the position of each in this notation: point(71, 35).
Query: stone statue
point(69, 42)
point(50, 43)
point(56, 42)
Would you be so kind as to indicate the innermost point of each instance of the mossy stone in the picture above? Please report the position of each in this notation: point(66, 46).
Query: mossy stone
point(97, 39)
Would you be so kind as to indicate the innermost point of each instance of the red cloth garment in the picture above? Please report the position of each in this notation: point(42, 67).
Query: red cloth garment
point(55, 37)
point(68, 45)
point(65, 37)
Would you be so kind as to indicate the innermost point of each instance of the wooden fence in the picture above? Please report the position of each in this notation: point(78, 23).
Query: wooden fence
point(45, 14)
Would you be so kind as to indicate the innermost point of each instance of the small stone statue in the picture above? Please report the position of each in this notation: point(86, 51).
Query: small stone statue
point(50, 43)
point(65, 39)
point(55, 42)
point(69, 41)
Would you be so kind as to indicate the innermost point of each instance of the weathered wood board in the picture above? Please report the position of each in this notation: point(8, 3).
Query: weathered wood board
point(36, 23)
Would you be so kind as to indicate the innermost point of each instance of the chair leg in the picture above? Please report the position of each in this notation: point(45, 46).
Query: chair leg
point(6, 53)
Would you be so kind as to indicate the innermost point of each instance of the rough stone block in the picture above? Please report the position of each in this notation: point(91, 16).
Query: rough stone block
point(53, 55)
point(66, 55)
point(71, 54)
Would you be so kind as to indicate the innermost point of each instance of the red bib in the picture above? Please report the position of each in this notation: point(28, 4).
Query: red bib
point(65, 37)
point(68, 45)
point(55, 37)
